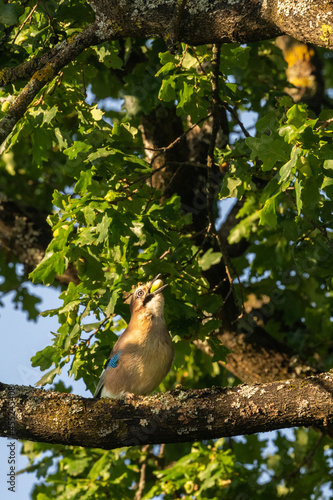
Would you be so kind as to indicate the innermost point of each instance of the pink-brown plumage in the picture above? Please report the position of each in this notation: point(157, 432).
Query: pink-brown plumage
point(143, 354)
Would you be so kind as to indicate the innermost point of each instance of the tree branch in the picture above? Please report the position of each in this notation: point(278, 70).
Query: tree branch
point(177, 416)
point(25, 234)
point(65, 53)
point(258, 357)
point(218, 20)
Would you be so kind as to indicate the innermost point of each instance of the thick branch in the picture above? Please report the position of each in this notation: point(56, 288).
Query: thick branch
point(25, 234)
point(258, 357)
point(177, 416)
point(217, 20)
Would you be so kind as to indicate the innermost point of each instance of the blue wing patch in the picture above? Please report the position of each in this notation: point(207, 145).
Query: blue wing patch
point(113, 362)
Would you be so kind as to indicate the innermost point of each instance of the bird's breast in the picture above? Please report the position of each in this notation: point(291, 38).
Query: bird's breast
point(148, 354)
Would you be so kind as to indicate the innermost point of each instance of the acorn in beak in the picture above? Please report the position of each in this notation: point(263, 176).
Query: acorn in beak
point(156, 286)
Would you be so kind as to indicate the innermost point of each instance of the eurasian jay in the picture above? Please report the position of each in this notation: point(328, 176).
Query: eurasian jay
point(143, 354)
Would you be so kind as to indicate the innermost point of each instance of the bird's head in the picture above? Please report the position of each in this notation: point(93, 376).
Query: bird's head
point(148, 299)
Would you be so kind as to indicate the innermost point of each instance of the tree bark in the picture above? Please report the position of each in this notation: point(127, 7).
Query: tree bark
point(198, 21)
point(258, 357)
point(172, 417)
point(25, 234)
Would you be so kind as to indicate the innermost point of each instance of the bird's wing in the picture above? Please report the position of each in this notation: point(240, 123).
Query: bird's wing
point(112, 362)
point(99, 385)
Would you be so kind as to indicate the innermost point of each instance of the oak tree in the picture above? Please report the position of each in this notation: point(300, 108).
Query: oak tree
point(125, 129)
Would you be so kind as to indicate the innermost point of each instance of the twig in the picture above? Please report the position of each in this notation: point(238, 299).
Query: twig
point(306, 460)
point(84, 82)
point(50, 18)
point(142, 480)
point(235, 117)
point(199, 63)
point(228, 265)
point(161, 452)
point(145, 177)
point(179, 139)
point(87, 341)
point(172, 34)
point(179, 65)
point(9, 29)
point(150, 260)
point(323, 124)
point(199, 248)
point(216, 103)
point(25, 21)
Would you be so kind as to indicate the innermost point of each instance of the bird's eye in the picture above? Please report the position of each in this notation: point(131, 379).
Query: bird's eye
point(139, 293)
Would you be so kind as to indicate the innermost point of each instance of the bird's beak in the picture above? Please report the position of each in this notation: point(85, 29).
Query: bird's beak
point(156, 286)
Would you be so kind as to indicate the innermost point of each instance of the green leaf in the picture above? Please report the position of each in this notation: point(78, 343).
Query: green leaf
point(72, 337)
point(189, 61)
point(328, 165)
point(108, 55)
point(208, 327)
point(51, 264)
point(101, 153)
point(44, 358)
point(209, 259)
point(112, 302)
point(297, 115)
point(244, 228)
point(232, 187)
point(268, 150)
point(289, 168)
point(271, 189)
point(48, 377)
point(41, 136)
point(168, 90)
point(166, 57)
point(76, 148)
point(49, 114)
point(99, 466)
point(185, 94)
point(84, 181)
point(298, 191)
point(267, 122)
point(9, 13)
point(102, 229)
point(166, 68)
point(62, 141)
point(267, 214)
